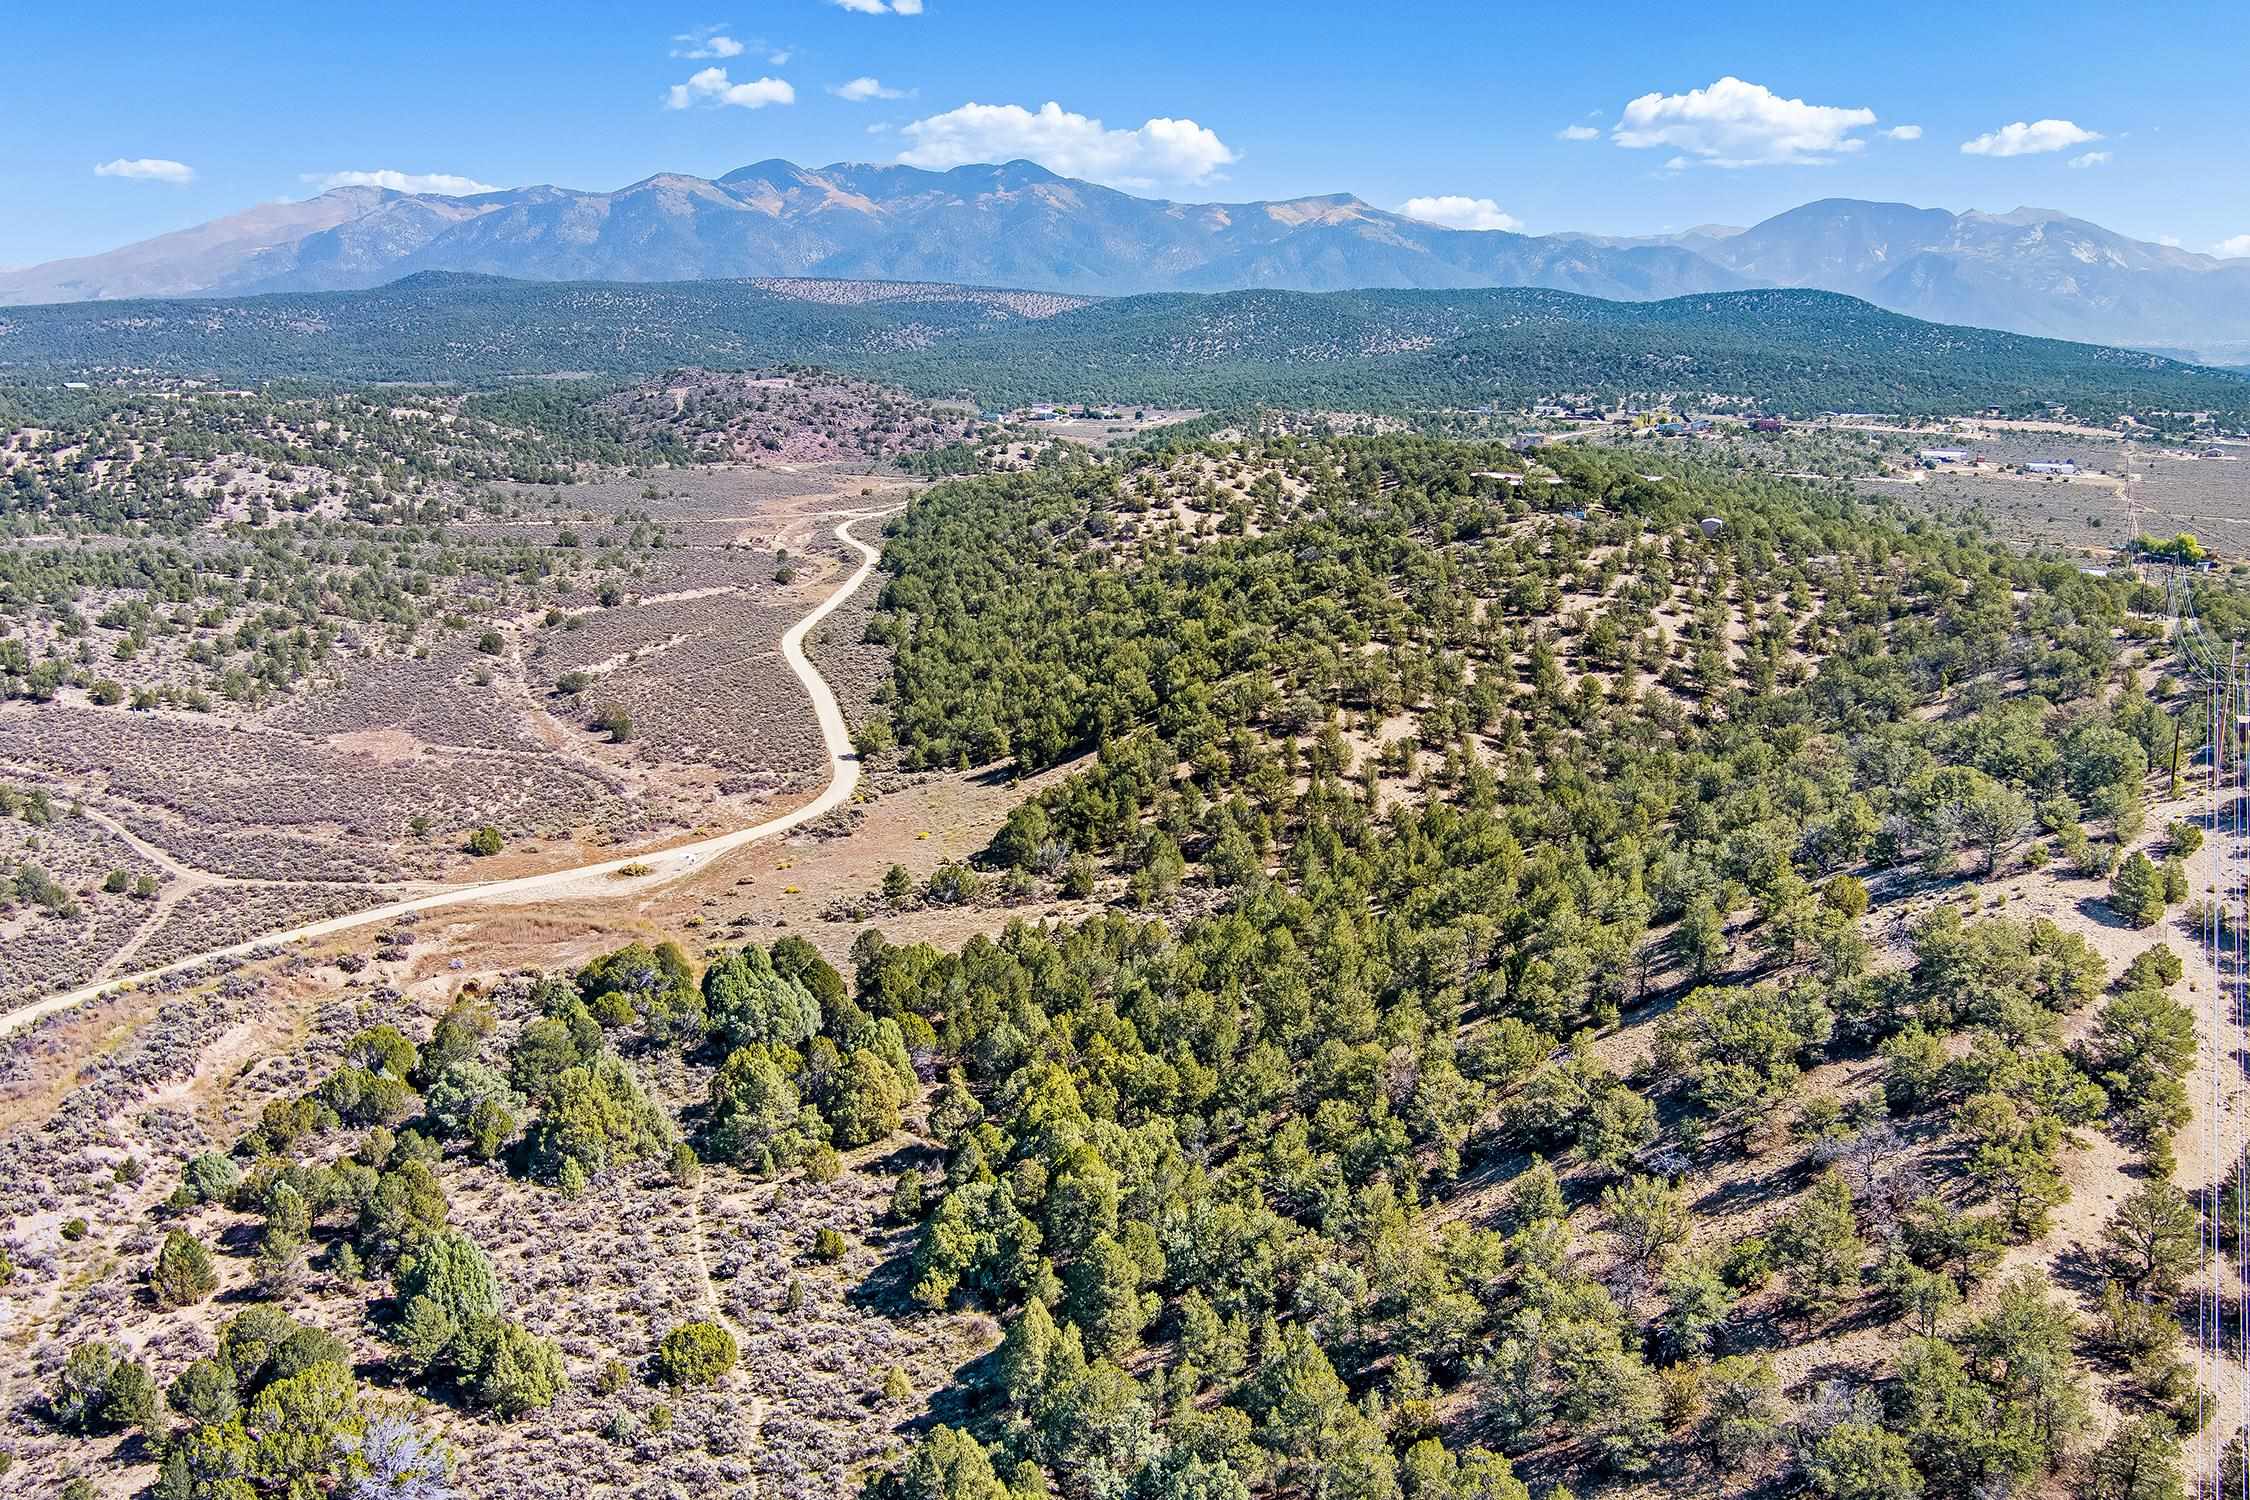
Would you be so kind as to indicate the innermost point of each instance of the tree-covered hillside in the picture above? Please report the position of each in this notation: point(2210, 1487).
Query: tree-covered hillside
point(1788, 351)
point(1559, 1015)
point(1797, 353)
point(1534, 1100)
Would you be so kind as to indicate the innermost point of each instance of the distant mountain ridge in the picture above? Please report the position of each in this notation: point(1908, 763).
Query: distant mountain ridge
point(1019, 225)
point(2030, 271)
point(1015, 224)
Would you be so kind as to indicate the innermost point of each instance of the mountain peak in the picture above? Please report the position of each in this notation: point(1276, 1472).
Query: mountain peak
point(1857, 209)
point(773, 171)
point(680, 182)
point(1330, 208)
point(2020, 218)
point(1010, 176)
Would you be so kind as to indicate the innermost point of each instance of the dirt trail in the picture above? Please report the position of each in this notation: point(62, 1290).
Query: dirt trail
point(579, 880)
point(754, 1424)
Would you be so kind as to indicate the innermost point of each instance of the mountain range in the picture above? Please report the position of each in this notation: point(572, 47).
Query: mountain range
point(1019, 225)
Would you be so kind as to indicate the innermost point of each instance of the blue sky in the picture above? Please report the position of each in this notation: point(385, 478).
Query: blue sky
point(2134, 118)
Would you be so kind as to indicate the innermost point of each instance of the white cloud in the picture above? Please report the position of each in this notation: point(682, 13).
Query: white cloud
point(2237, 245)
point(1073, 144)
point(2172, 241)
point(147, 169)
point(404, 182)
point(880, 8)
point(2021, 139)
point(2088, 159)
point(860, 90)
point(706, 42)
point(1578, 133)
point(712, 86)
point(1903, 133)
point(1738, 124)
point(1459, 211)
point(709, 43)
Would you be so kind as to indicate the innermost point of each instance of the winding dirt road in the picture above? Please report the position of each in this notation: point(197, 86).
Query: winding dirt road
point(662, 864)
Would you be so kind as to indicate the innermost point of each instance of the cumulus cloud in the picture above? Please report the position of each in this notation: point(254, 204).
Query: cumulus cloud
point(706, 42)
point(2234, 246)
point(1459, 211)
point(1073, 144)
point(147, 169)
point(2029, 139)
point(712, 86)
point(447, 183)
point(1903, 133)
point(2088, 159)
point(1738, 124)
point(1578, 133)
point(860, 90)
point(880, 8)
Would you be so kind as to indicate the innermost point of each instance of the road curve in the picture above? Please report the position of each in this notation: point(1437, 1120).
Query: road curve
point(663, 864)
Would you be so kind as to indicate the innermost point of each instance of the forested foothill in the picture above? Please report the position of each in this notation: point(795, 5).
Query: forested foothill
point(1572, 1112)
point(1795, 352)
point(1600, 980)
